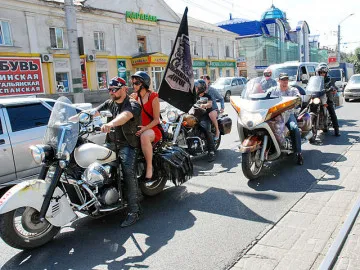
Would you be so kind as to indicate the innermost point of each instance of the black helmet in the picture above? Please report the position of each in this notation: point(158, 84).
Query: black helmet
point(322, 67)
point(143, 77)
point(201, 86)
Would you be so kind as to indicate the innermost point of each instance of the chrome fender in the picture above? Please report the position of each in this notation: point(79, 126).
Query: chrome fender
point(31, 193)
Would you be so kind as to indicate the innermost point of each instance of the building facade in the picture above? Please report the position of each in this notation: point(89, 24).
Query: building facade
point(271, 40)
point(115, 38)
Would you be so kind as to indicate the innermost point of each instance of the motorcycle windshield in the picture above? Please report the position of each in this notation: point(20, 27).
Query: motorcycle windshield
point(63, 127)
point(258, 89)
point(315, 85)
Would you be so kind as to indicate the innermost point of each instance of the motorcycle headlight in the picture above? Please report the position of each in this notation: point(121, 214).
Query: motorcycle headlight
point(252, 119)
point(172, 115)
point(40, 153)
point(316, 101)
point(95, 175)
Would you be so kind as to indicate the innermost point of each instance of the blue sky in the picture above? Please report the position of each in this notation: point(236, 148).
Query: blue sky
point(323, 17)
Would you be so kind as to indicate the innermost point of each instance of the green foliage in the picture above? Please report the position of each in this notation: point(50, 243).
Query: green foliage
point(353, 58)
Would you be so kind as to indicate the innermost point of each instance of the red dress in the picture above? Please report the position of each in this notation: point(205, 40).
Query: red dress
point(146, 119)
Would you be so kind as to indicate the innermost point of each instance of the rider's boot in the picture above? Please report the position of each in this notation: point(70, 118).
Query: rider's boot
point(211, 156)
point(131, 219)
point(337, 132)
point(299, 159)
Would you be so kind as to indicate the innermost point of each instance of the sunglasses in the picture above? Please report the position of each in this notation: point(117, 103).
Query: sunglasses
point(322, 72)
point(114, 90)
point(136, 83)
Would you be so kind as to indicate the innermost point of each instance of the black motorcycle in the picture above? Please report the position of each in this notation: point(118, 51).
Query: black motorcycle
point(315, 104)
point(184, 131)
point(77, 175)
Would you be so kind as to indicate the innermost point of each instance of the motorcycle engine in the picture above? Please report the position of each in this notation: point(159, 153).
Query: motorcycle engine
point(195, 145)
point(109, 196)
point(97, 175)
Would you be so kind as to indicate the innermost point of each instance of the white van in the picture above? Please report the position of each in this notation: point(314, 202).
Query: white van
point(299, 72)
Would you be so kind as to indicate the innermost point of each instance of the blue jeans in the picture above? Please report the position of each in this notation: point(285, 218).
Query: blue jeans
point(205, 126)
point(127, 158)
point(291, 124)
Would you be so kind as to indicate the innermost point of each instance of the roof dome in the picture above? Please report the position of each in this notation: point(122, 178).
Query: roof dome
point(273, 13)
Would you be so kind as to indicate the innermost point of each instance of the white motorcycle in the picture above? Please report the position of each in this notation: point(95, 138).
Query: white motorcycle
point(261, 126)
point(77, 176)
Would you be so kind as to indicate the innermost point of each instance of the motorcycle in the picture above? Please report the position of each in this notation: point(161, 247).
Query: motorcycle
point(315, 104)
point(261, 126)
point(183, 129)
point(77, 175)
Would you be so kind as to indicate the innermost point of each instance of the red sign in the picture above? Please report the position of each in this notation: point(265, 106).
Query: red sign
point(331, 59)
point(83, 73)
point(20, 76)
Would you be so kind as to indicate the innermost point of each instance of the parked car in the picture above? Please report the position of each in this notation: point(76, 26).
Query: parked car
point(352, 88)
point(23, 123)
point(228, 86)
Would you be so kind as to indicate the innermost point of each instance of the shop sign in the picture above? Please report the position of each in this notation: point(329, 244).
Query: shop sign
point(159, 59)
point(241, 64)
point(140, 17)
point(260, 67)
point(20, 76)
point(222, 64)
point(140, 61)
point(121, 68)
point(199, 63)
point(241, 59)
point(83, 73)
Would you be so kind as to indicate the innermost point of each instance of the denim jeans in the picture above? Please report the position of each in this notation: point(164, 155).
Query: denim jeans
point(127, 158)
point(205, 126)
point(291, 124)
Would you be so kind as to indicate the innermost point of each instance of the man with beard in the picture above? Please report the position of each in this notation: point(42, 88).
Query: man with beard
point(125, 121)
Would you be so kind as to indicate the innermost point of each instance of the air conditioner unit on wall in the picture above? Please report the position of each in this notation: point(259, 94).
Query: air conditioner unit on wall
point(47, 58)
point(90, 57)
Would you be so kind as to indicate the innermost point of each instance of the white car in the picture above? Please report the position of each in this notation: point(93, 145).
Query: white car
point(352, 89)
point(229, 86)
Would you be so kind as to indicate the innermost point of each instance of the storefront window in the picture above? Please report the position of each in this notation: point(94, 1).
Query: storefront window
point(196, 74)
point(227, 73)
point(62, 82)
point(157, 73)
point(213, 74)
point(220, 72)
point(204, 71)
point(102, 80)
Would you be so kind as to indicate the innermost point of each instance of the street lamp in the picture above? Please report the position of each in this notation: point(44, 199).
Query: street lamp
point(338, 52)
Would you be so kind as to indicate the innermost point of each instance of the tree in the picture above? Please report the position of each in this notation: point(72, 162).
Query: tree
point(354, 58)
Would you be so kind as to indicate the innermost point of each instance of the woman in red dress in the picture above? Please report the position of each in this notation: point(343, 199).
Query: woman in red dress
point(149, 131)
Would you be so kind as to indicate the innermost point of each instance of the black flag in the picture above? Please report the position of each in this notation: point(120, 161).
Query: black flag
point(177, 85)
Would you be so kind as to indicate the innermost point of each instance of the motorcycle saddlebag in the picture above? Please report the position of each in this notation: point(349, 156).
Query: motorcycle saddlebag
point(225, 124)
point(174, 164)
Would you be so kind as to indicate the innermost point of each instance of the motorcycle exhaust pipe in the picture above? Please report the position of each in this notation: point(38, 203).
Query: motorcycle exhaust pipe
point(262, 154)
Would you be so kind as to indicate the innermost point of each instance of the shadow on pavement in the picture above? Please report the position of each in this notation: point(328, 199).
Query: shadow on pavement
point(90, 243)
point(227, 158)
point(298, 178)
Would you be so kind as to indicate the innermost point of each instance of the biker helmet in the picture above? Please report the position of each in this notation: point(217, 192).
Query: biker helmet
point(143, 77)
point(117, 81)
point(322, 67)
point(200, 85)
point(267, 72)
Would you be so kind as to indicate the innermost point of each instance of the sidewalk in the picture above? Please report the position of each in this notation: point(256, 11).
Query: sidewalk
point(302, 237)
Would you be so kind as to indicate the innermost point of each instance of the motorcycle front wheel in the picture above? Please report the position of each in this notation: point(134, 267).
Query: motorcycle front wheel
point(22, 229)
point(251, 164)
point(314, 129)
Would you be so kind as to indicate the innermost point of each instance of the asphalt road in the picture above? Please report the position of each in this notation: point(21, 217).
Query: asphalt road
point(204, 224)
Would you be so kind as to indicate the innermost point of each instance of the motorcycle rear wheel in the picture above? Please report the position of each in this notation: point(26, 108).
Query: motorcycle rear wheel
point(251, 164)
point(151, 188)
point(22, 229)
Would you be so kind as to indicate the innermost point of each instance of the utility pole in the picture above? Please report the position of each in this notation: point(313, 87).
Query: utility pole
point(70, 16)
point(339, 38)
